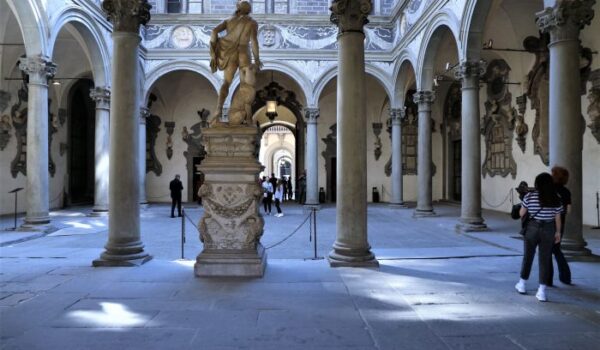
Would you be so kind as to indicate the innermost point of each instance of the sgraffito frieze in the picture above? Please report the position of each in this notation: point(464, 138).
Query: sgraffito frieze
point(271, 36)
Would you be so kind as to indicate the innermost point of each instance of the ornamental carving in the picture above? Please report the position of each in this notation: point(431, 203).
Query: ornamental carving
point(424, 97)
point(350, 15)
point(521, 128)
point(410, 134)
point(5, 127)
point(169, 127)
point(101, 96)
point(453, 112)
point(594, 106)
point(38, 69)
point(329, 154)
point(152, 128)
point(231, 219)
point(377, 131)
point(311, 115)
point(4, 100)
point(127, 15)
point(53, 125)
point(18, 113)
point(498, 122)
point(538, 86)
point(566, 18)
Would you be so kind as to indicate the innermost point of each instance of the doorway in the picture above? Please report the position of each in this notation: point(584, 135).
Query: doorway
point(332, 185)
point(81, 143)
point(198, 179)
point(457, 170)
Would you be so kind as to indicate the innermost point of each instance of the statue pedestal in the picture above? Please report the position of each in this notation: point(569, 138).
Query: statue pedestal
point(231, 226)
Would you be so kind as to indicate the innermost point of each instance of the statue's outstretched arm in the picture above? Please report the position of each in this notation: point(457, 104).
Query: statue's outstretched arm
point(254, 38)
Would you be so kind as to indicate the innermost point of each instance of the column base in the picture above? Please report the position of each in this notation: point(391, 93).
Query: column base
point(98, 212)
point(471, 227)
point(123, 255)
point(574, 248)
point(351, 257)
point(46, 228)
point(32, 221)
point(231, 263)
point(309, 207)
point(400, 205)
point(144, 205)
point(420, 213)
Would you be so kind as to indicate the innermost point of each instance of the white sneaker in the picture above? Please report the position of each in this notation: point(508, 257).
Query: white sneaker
point(280, 215)
point(520, 287)
point(541, 295)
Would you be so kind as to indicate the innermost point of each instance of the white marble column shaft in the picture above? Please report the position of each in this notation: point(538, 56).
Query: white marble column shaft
point(101, 95)
point(470, 213)
point(124, 246)
point(144, 113)
point(396, 115)
point(37, 186)
point(351, 247)
point(564, 22)
point(424, 100)
point(312, 157)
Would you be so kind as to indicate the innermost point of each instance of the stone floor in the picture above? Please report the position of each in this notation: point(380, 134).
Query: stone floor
point(435, 289)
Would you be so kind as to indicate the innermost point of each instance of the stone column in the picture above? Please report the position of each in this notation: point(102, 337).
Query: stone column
point(351, 247)
point(124, 246)
point(564, 22)
point(101, 95)
point(470, 206)
point(424, 99)
point(397, 114)
point(312, 157)
point(39, 70)
point(144, 113)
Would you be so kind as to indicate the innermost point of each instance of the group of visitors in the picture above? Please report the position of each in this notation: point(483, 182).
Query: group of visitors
point(277, 190)
point(543, 211)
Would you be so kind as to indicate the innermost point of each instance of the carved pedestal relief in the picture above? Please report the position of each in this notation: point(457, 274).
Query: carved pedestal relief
point(498, 122)
point(594, 107)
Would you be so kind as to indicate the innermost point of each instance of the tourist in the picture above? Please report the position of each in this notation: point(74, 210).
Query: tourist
point(273, 181)
point(543, 208)
point(290, 190)
point(561, 177)
point(284, 183)
point(279, 197)
point(267, 195)
point(176, 187)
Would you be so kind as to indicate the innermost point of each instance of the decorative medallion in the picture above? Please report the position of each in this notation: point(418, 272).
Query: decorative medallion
point(269, 36)
point(182, 37)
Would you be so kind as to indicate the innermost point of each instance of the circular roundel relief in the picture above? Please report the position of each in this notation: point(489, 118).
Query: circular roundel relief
point(182, 37)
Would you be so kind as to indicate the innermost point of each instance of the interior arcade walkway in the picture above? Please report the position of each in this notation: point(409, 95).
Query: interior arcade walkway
point(435, 289)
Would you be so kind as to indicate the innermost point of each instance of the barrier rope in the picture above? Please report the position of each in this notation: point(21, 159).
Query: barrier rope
point(183, 211)
point(508, 196)
point(157, 197)
point(291, 234)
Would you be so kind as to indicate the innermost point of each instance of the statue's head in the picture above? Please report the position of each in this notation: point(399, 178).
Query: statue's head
point(243, 7)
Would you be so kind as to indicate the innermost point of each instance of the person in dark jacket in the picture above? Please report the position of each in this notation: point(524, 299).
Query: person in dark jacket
point(176, 187)
point(560, 176)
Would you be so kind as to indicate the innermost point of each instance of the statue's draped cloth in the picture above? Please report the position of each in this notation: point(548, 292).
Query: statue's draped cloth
point(226, 49)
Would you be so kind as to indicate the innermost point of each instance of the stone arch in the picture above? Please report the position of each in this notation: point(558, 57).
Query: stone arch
point(170, 66)
point(406, 70)
point(90, 37)
point(474, 17)
point(270, 154)
point(32, 22)
point(300, 79)
point(383, 78)
point(443, 21)
point(321, 83)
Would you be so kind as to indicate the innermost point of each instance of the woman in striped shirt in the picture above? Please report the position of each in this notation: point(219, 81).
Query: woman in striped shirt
point(544, 208)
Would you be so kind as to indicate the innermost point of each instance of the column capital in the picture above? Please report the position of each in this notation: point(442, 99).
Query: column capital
point(470, 69)
point(424, 97)
point(565, 19)
point(311, 114)
point(144, 113)
point(101, 95)
point(38, 68)
point(127, 15)
point(397, 114)
point(350, 15)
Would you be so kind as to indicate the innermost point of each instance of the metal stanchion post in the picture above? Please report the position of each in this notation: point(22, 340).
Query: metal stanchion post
point(597, 211)
point(182, 232)
point(313, 229)
point(16, 191)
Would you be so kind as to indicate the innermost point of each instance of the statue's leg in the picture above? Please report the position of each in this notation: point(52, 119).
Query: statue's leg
point(228, 74)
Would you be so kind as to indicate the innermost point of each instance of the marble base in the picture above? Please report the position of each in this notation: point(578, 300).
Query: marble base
point(98, 213)
point(231, 263)
point(345, 256)
point(424, 213)
point(574, 248)
point(231, 225)
point(471, 226)
point(120, 261)
point(398, 205)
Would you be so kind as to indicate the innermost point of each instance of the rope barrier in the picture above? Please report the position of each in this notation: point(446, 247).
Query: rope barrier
point(189, 219)
point(508, 196)
point(157, 197)
point(291, 234)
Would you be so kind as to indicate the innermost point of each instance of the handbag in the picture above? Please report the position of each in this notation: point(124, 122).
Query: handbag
point(525, 221)
point(514, 213)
